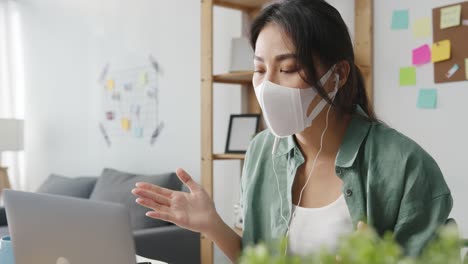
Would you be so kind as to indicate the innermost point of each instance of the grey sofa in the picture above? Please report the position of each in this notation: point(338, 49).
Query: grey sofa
point(154, 239)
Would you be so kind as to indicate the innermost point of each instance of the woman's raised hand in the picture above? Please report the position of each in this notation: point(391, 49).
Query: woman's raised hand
point(194, 211)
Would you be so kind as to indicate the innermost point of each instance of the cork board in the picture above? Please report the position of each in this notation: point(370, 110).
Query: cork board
point(458, 37)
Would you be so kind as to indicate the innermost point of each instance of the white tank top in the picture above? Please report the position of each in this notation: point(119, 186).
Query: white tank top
point(314, 228)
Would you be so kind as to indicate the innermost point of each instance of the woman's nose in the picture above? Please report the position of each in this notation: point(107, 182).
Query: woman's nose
point(271, 77)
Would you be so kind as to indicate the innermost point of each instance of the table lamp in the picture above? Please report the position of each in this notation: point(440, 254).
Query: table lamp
point(11, 139)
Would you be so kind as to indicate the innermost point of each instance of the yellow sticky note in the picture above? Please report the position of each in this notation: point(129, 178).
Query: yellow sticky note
point(110, 85)
point(143, 78)
point(466, 68)
point(450, 16)
point(125, 124)
point(441, 51)
point(422, 28)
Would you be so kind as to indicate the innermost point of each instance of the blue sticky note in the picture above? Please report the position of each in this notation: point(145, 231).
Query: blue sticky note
point(138, 132)
point(427, 99)
point(400, 19)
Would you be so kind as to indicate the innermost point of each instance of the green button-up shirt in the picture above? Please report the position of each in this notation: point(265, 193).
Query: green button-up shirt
point(388, 179)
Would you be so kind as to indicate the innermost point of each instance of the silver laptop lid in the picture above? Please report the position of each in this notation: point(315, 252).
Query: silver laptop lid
point(50, 229)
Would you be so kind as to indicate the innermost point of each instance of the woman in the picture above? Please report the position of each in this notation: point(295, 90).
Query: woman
point(325, 163)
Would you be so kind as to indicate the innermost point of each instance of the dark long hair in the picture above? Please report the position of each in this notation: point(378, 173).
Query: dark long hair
point(318, 32)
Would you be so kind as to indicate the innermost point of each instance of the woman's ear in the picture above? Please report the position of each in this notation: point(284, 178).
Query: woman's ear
point(343, 68)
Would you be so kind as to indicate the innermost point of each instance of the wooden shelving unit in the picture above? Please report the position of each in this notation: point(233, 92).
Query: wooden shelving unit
point(228, 156)
point(234, 78)
point(244, 5)
point(250, 7)
point(364, 58)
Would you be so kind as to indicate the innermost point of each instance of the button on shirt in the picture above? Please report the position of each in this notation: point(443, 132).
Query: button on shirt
point(388, 179)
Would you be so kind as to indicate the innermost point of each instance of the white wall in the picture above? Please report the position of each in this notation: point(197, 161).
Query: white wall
point(66, 46)
point(441, 132)
point(346, 9)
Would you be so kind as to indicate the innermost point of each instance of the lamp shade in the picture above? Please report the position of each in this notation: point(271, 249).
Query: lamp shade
point(11, 134)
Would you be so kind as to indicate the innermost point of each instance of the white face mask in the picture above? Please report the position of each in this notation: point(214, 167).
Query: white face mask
point(285, 108)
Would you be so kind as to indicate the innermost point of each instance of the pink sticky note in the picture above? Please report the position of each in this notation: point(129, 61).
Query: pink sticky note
point(422, 55)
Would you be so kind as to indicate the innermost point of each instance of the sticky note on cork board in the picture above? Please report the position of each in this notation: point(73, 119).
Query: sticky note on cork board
point(450, 16)
point(458, 36)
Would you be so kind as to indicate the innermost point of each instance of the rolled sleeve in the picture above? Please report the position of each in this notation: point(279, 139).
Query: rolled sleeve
point(418, 226)
point(425, 206)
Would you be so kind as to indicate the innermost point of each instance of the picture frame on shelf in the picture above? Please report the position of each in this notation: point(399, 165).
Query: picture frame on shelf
point(242, 129)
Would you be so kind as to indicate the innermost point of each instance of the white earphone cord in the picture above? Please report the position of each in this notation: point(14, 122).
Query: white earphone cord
point(303, 188)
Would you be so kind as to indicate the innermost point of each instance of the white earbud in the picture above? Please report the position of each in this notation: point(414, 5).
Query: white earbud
point(292, 214)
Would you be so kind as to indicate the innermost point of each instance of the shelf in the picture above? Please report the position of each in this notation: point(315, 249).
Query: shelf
point(245, 5)
point(234, 77)
point(228, 156)
point(238, 231)
point(250, 9)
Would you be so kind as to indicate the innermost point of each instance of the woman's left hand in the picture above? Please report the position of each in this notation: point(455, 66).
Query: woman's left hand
point(361, 226)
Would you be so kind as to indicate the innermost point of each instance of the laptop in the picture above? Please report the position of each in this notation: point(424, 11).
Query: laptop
point(51, 229)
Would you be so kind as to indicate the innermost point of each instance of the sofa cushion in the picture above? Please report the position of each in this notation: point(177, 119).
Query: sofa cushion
point(3, 217)
point(80, 187)
point(115, 186)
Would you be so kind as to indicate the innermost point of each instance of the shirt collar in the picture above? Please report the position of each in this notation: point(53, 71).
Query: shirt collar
point(285, 146)
point(354, 137)
point(352, 141)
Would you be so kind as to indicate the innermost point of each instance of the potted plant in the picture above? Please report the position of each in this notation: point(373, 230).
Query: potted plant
point(363, 247)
